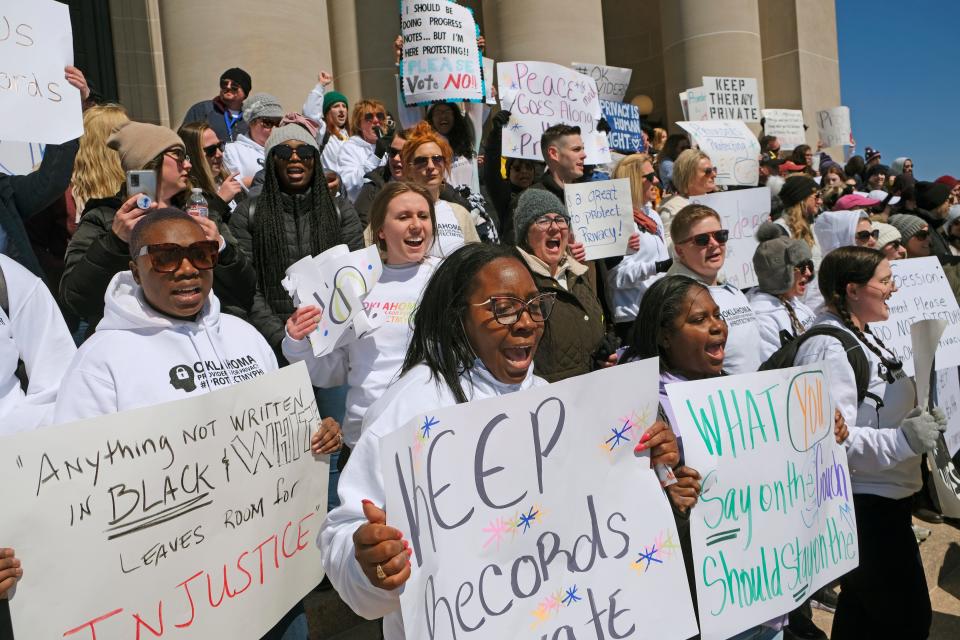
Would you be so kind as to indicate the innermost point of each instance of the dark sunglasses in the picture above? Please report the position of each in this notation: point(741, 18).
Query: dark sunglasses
point(269, 123)
point(393, 153)
point(649, 177)
point(226, 85)
point(894, 244)
point(922, 235)
point(710, 171)
point(212, 149)
point(863, 236)
point(305, 152)
point(379, 115)
point(422, 161)
point(806, 265)
point(703, 239)
point(167, 257)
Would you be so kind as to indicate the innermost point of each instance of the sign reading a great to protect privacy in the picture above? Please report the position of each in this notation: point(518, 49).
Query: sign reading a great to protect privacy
point(509, 542)
point(625, 133)
point(441, 60)
point(601, 216)
point(191, 519)
point(37, 103)
point(741, 213)
point(732, 148)
point(775, 519)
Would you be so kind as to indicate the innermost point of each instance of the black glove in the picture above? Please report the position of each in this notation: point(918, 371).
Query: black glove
point(607, 347)
point(501, 119)
point(383, 143)
point(603, 126)
point(664, 265)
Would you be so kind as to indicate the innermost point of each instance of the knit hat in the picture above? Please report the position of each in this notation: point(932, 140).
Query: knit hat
point(289, 132)
point(138, 143)
point(950, 181)
point(931, 195)
point(775, 258)
point(796, 189)
point(238, 75)
point(907, 225)
point(331, 98)
point(870, 153)
point(534, 203)
point(261, 105)
point(888, 233)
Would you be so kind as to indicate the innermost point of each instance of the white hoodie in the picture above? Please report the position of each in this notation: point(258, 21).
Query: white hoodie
point(772, 318)
point(244, 156)
point(413, 394)
point(837, 229)
point(355, 160)
point(140, 357)
point(629, 279)
point(313, 109)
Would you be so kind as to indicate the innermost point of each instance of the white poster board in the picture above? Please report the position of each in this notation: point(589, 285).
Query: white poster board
point(924, 293)
point(732, 98)
point(130, 515)
point(612, 82)
point(833, 125)
point(786, 125)
point(776, 505)
point(19, 158)
point(488, 84)
point(539, 95)
point(732, 148)
point(948, 399)
point(441, 60)
point(497, 474)
point(741, 213)
point(37, 103)
point(698, 106)
point(601, 216)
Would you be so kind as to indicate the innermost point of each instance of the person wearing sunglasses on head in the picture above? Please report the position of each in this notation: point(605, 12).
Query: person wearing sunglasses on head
point(890, 241)
point(700, 248)
point(245, 156)
point(207, 170)
point(100, 247)
point(693, 175)
point(224, 113)
point(366, 149)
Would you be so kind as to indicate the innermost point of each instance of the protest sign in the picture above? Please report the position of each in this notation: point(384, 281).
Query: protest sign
point(697, 106)
point(336, 281)
point(19, 158)
point(37, 103)
point(775, 519)
point(732, 148)
point(199, 516)
point(601, 216)
point(924, 293)
point(741, 213)
point(488, 85)
point(612, 82)
point(441, 60)
point(833, 125)
point(948, 399)
point(539, 95)
point(624, 119)
point(732, 98)
point(508, 542)
point(946, 477)
point(786, 125)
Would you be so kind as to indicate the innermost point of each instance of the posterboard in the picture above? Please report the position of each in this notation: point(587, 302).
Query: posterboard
point(508, 542)
point(135, 515)
point(601, 216)
point(923, 293)
point(20, 158)
point(698, 107)
point(441, 60)
point(732, 98)
point(943, 473)
point(612, 82)
point(541, 94)
point(37, 103)
point(833, 125)
point(948, 399)
point(732, 148)
point(786, 125)
point(625, 133)
point(741, 213)
point(775, 519)
point(488, 84)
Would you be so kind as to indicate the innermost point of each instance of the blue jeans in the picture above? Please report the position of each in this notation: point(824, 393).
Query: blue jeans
point(292, 626)
point(332, 403)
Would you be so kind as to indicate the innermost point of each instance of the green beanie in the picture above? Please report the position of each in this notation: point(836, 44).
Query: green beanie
point(331, 98)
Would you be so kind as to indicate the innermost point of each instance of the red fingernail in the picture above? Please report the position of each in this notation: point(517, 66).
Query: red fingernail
point(367, 501)
point(406, 545)
point(645, 437)
point(409, 553)
point(640, 447)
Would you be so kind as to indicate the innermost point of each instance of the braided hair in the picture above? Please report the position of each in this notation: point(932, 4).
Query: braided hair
point(794, 321)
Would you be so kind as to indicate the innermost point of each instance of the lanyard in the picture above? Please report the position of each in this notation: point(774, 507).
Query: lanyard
point(230, 121)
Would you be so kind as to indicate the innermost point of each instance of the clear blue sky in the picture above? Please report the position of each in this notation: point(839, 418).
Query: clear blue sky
point(900, 76)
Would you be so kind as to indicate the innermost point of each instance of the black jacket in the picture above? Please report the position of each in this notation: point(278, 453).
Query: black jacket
point(213, 113)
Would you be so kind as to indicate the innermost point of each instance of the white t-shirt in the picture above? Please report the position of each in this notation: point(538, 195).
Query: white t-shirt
point(449, 232)
point(742, 353)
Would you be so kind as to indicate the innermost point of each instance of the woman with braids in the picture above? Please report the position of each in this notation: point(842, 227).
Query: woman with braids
point(888, 434)
point(207, 170)
point(293, 217)
point(475, 334)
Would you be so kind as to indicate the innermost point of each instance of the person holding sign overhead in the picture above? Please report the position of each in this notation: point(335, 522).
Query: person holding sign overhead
point(693, 175)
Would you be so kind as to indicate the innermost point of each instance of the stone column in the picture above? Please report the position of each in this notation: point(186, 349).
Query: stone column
point(362, 35)
point(138, 56)
point(558, 31)
point(632, 37)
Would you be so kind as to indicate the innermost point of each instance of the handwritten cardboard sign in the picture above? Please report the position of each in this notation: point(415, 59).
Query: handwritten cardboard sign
point(539, 95)
point(612, 82)
point(946, 477)
point(508, 543)
point(19, 158)
point(731, 146)
point(948, 399)
point(786, 125)
point(732, 98)
point(441, 60)
point(833, 125)
point(601, 216)
point(697, 104)
point(775, 518)
point(336, 281)
point(741, 213)
point(924, 293)
point(198, 516)
point(626, 134)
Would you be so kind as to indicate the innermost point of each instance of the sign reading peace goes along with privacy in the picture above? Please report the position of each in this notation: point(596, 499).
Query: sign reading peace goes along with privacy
point(508, 542)
point(190, 519)
point(775, 518)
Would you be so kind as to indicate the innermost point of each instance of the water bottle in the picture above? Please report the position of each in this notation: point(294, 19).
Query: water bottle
point(198, 204)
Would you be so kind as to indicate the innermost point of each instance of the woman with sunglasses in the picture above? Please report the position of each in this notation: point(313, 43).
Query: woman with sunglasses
point(245, 156)
point(889, 241)
point(693, 175)
point(700, 247)
point(208, 171)
point(100, 247)
point(915, 234)
point(888, 434)
point(366, 149)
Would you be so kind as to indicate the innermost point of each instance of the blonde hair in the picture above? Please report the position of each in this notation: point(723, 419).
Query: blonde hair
point(96, 171)
point(685, 169)
point(797, 225)
point(632, 167)
point(359, 110)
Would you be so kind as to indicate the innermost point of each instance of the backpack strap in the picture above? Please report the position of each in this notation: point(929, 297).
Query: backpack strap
point(4, 296)
point(855, 356)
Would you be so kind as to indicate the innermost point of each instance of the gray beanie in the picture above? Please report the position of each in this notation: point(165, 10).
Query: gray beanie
point(261, 105)
point(775, 258)
point(907, 225)
point(534, 203)
point(888, 233)
point(289, 132)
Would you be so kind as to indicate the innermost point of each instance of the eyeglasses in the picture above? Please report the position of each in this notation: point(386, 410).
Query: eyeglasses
point(226, 85)
point(703, 239)
point(865, 235)
point(649, 177)
point(922, 235)
point(167, 257)
point(270, 123)
point(379, 115)
point(543, 222)
point(806, 266)
point(285, 152)
point(421, 162)
point(177, 155)
point(507, 310)
point(212, 149)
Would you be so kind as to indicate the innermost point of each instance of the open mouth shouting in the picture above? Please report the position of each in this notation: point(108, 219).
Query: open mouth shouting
point(714, 350)
point(518, 357)
point(187, 296)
